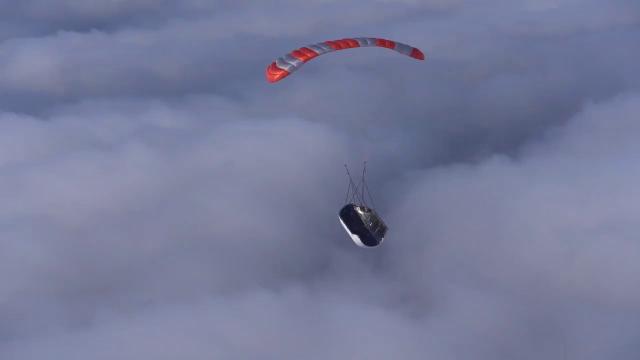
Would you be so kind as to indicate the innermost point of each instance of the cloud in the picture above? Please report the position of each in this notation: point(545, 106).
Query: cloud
point(160, 199)
point(554, 226)
point(80, 200)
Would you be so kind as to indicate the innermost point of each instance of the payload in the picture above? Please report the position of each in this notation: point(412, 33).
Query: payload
point(362, 223)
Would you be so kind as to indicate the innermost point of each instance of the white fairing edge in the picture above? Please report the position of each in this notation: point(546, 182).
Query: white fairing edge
point(354, 237)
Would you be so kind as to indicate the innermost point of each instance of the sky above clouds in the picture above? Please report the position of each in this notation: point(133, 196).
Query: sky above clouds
point(160, 199)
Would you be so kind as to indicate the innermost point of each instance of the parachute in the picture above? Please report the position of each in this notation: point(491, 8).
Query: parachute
point(291, 62)
point(361, 222)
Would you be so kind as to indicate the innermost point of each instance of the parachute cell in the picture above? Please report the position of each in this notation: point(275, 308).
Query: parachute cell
point(291, 62)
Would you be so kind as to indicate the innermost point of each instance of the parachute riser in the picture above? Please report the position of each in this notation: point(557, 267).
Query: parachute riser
point(356, 193)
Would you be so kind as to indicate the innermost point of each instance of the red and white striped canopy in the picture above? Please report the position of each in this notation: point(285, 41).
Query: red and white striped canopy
point(291, 62)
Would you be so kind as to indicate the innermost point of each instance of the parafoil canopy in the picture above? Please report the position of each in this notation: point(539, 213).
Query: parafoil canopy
point(291, 62)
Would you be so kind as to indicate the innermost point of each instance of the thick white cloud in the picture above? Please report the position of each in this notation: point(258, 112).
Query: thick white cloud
point(160, 199)
point(156, 200)
point(552, 230)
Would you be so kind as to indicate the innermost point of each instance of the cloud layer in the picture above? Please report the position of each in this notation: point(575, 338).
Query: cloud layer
point(161, 200)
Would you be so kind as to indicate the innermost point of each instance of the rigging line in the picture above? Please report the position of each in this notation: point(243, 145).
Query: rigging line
point(346, 197)
point(373, 204)
point(354, 194)
point(364, 172)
